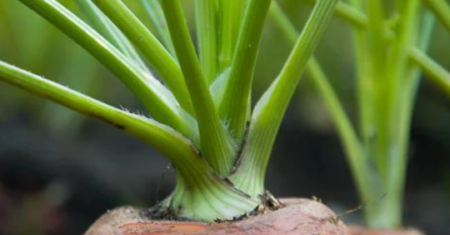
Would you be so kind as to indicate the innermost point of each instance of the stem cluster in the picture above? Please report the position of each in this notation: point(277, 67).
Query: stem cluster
point(200, 106)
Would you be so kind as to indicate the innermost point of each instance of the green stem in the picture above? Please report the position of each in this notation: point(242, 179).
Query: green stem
point(342, 121)
point(406, 98)
point(156, 98)
point(230, 21)
point(270, 109)
point(152, 50)
point(442, 10)
point(364, 83)
point(160, 136)
point(437, 74)
point(204, 194)
point(363, 174)
point(218, 148)
point(282, 21)
point(206, 11)
point(381, 83)
point(391, 141)
point(350, 14)
point(235, 105)
point(158, 23)
point(104, 26)
point(360, 165)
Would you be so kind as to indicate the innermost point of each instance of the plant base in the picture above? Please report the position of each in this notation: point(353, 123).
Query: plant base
point(358, 230)
point(299, 216)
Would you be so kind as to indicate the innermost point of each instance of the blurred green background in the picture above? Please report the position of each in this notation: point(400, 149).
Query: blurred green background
point(60, 171)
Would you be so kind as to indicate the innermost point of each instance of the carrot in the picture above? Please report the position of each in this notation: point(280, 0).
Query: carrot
point(358, 230)
point(298, 216)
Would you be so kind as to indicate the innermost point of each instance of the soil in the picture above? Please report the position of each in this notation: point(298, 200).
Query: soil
point(299, 216)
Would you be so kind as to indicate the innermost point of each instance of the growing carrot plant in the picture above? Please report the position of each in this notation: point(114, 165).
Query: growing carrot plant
point(199, 102)
point(390, 44)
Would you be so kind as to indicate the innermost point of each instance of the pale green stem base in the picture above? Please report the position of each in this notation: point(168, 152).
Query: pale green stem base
point(387, 213)
point(210, 200)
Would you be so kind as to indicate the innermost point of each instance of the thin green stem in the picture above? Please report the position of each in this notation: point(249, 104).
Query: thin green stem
point(152, 50)
point(218, 148)
point(230, 20)
point(156, 98)
point(270, 109)
point(235, 105)
point(398, 72)
point(206, 21)
point(377, 74)
point(364, 83)
point(388, 143)
point(108, 30)
point(345, 129)
point(364, 176)
point(158, 23)
point(407, 98)
point(160, 136)
point(436, 74)
point(281, 20)
point(363, 173)
point(442, 10)
point(350, 14)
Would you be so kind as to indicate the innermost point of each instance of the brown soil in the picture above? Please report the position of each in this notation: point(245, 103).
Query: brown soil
point(299, 216)
point(357, 230)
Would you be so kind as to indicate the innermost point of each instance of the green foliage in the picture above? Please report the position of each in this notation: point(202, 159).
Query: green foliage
point(201, 116)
